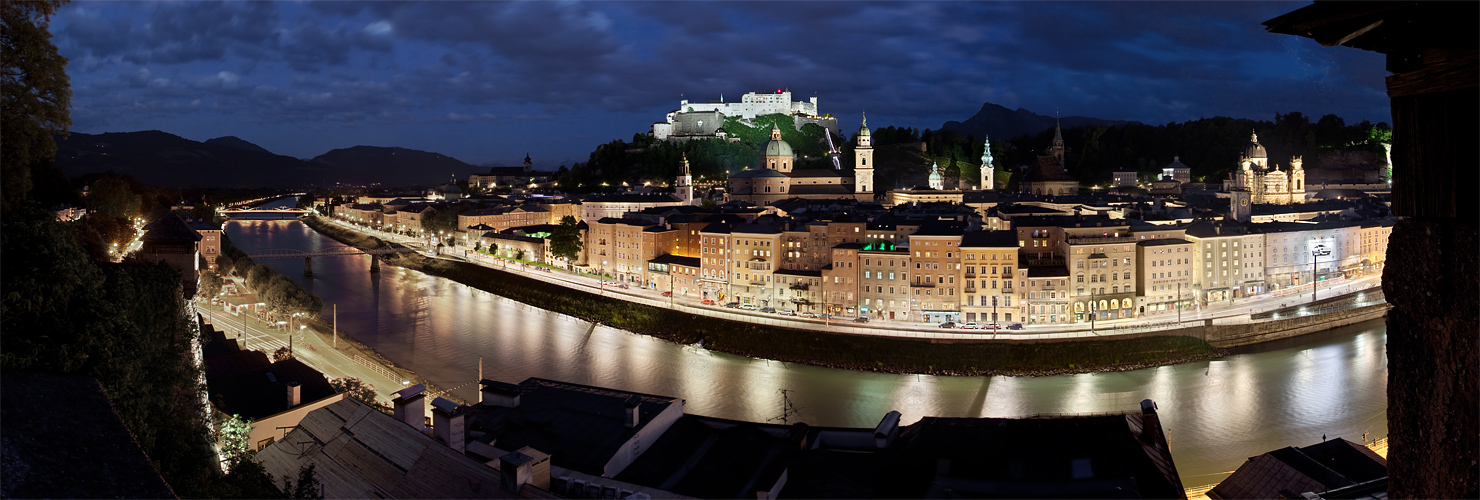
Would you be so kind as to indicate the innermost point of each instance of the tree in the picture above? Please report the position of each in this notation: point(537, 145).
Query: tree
point(210, 284)
point(233, 437)
point(565, 240)
point(35, 94)
point(306, 487)
point(114, 197)
point(282, 354)
point(224, 265)
point(358, 390)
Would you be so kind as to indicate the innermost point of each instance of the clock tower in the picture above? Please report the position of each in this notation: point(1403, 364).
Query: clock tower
point(1238, 205)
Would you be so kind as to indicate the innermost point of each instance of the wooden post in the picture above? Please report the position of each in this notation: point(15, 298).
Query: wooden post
point(308, 267)
point(335, 328)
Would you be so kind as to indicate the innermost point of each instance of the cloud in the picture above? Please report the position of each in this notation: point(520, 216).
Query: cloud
point(460, 118)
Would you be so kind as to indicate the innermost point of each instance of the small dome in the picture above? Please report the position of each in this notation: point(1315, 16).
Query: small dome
point(1255, 150)
point(777, 147)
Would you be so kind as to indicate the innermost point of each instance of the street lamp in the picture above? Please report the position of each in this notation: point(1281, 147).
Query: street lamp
point(1315, 253)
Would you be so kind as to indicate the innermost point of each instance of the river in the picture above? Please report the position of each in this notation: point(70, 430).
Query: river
point(1216, 413)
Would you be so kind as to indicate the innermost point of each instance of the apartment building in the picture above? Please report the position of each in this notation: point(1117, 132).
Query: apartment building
point(1166, 268)
point(753, 249)
point(840, 280)
point(1045, 294)
point(886, 281)
point(936, 290)
point(990, 269)
point(1102, 259)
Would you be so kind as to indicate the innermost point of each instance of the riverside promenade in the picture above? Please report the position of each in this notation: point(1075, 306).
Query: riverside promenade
point(1287, 309)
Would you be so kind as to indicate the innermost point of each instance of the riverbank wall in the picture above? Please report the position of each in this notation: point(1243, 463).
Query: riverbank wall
point(820, 348)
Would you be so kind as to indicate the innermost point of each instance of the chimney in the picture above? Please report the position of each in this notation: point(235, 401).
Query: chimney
point(632, 406)
point(495, 393)
point(447, 424)
point(887, 430)
point(526, 466)
point(295, 394)
point(410, 406)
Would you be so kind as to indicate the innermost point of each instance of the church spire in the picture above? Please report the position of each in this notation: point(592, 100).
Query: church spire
point(684, 171)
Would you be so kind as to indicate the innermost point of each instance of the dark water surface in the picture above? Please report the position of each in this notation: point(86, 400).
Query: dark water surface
point(1217, 413)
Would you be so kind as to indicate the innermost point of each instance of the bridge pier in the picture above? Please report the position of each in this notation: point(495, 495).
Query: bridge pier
point(308, 267)
point(374, 264)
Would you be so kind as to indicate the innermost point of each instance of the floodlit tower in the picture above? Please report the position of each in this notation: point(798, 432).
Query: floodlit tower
point(684, 188)
point(863, 155)
point(988, 171)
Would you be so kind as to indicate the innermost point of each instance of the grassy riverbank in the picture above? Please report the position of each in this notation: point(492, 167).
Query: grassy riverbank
point(853, 352)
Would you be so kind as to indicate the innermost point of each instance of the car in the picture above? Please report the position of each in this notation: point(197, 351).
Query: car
point(1015, 326)
point(948, 324)
point(786, 312)
point(809, 315)
point(768, 309)
point(707, 302)
point(668, 293)
point(732, 305)
point(861, 319)
point(622, 286)
point(990, 326)
point(970, 325)
point(747, 307)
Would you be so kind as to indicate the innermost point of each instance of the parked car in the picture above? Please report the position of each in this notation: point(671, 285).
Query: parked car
point(1015, 326)
point(707, 302)
point(622, 286)
point(948, 324)
point(809, 315)
point(768, 309)
point(747, 307)
point(668, 293)
point(732, 305)
point(970, 325)
point(786, 312)
point(991, 326)
point(861, 319)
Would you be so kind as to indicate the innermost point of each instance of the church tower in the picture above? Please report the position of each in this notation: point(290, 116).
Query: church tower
point(989, 177)
point(684, 187)
point(1297, 180)
point(863, 160)
point(1058, 143)
point(528, 164)
point(936, 181)
point(776, 154)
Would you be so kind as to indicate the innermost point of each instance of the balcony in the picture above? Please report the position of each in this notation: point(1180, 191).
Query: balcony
point(799, 286)
point(1099, 240)
point(922, 285)
point(970, 274)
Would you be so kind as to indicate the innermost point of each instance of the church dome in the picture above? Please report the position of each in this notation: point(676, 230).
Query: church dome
point(776, 146)
point(1255, 150)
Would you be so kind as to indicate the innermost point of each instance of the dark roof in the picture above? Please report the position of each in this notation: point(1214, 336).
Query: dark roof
point(1103, 456)
point(625, 221)
point(1316, 468)
point(714, 458)
point(756, 229)
point(941, 228)
point(1028, 209)
point(761, 172)
point(200, 225)
point(799, 272)
point(1208, 228)
point(819, 172)
point(1048, 272)
point(63, 439)
point(580, 426)
point(676, 260)
point(170, 229)
point(262, 391)
point(838, 189)
point(990, 239)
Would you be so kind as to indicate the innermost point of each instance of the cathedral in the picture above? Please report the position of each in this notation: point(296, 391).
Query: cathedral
point(1266, 184)
point(778, 179)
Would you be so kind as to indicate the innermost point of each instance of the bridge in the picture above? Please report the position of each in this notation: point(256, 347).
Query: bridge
point(289, 253)
point(285, 210)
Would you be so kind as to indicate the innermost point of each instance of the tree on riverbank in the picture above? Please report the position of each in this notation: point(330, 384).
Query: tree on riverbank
point(565, 240)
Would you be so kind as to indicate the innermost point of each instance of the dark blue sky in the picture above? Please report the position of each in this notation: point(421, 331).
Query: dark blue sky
point(490, 81)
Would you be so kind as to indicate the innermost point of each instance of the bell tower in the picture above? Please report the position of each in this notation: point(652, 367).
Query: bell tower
point(684, 187)
point(863, 160)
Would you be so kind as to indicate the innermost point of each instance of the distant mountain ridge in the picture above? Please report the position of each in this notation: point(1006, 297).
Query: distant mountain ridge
point(237, 142)
point(158, 158)
point(1000, 123)
point(393, 166)
point(162, 159)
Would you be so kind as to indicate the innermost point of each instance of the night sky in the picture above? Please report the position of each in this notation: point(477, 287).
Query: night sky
point(486, 82)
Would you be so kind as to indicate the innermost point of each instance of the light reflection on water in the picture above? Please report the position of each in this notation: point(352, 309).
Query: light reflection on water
point(1217, 413)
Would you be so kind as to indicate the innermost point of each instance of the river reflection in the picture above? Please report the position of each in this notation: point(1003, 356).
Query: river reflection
point(1217, 413)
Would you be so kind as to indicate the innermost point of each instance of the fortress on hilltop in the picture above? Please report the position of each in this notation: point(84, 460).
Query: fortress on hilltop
point(693, 120)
